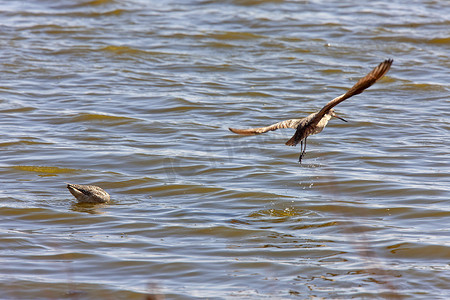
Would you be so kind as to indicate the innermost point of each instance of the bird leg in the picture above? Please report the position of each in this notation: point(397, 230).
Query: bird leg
point(302, 149)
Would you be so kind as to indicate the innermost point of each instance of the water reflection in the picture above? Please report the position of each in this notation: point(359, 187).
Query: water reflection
point(91, 208)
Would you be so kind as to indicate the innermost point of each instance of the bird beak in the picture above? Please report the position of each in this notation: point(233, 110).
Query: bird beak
point(336, 116)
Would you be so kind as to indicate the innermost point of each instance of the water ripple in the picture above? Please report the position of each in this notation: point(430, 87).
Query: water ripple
point(137, 98)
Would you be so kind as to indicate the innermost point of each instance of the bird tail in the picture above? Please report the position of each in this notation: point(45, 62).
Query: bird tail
point(300, 134)
point(293, 140)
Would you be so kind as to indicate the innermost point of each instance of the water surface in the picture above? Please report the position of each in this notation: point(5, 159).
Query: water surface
point(137, 97)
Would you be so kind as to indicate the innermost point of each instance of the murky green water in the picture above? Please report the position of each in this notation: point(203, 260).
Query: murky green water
point(137, 97)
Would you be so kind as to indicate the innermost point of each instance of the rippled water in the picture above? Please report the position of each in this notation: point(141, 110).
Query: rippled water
point(137, 97)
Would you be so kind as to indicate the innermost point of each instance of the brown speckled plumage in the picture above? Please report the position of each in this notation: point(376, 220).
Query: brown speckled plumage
point(88, 193)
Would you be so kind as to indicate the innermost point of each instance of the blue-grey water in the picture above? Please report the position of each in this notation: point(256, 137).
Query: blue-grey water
point(137, 96)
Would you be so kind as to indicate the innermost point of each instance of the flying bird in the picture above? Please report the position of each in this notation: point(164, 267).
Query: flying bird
point(316, 122)
point(88, 193)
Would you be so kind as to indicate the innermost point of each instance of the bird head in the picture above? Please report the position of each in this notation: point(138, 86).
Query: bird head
point(333, 114)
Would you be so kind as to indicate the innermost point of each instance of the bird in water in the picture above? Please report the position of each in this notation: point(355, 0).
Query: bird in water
point(88, 193)
point(316, 122)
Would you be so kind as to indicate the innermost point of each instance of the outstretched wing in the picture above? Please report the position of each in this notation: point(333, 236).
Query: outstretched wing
point(292, 123)
point(358, 88)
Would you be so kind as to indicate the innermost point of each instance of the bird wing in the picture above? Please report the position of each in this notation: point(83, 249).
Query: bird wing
point(358, 88)
point(292, 123)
